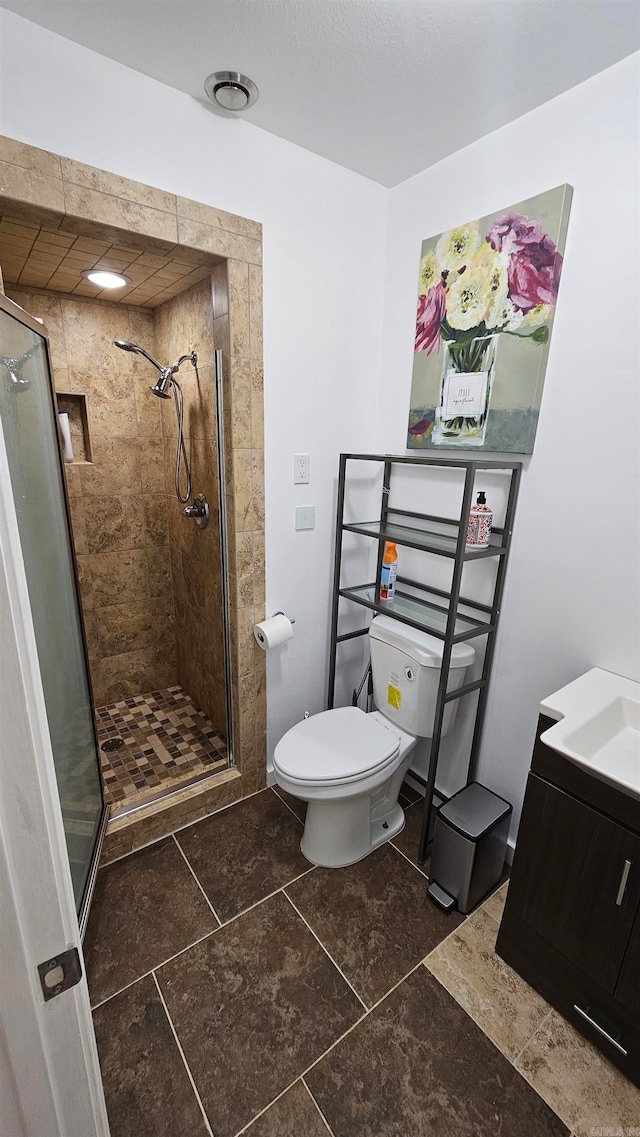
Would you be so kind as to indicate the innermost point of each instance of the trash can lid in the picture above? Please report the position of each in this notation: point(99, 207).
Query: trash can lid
point(474, 810)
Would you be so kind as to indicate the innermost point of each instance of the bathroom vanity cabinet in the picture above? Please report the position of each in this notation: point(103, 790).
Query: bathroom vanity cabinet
point(571, 925)
point(445, 613)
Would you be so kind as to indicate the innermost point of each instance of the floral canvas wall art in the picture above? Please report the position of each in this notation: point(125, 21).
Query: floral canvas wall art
point(487, 294)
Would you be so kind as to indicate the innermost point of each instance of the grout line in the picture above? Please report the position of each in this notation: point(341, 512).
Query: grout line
point(182, 1055)
point(285, 803)
point(322, 1116)
point(410, 862)
point(328, 953)
point(189, 866)
point(156, 967)
point(538, 1028)
point(444, 941)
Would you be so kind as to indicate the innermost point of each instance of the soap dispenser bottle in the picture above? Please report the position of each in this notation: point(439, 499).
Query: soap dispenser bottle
point(479, 527)
point(389, 571)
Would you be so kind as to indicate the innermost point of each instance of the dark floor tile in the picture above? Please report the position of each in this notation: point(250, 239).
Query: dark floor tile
point(374, 918)
point(418, 1066)
point(145, 908)
point(253, 1006)
point(245, 852)
point(408, 840)
point(292, 1115)
point(147, 1090)
point(409, 793)
point(299, 807)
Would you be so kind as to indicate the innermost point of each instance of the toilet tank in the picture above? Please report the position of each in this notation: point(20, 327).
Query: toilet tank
point(406, 665)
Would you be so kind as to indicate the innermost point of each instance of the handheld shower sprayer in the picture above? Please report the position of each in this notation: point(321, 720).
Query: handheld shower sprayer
point(163, 389)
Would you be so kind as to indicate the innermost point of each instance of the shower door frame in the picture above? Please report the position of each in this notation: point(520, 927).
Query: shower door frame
point(16, 312)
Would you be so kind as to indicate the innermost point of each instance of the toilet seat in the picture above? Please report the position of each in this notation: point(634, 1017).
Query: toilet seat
point(335, 748)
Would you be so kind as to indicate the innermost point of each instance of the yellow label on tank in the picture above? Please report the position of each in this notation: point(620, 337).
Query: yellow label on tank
point(394, 697)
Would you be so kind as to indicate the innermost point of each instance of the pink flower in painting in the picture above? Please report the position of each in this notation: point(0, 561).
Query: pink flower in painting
point(431, 312)
point(513, 232)
point(534, 274)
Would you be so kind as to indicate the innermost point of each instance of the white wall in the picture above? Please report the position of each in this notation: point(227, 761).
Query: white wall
point(572, 593)
point(324, 231)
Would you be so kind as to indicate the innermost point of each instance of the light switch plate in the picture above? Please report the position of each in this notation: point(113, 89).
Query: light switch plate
point(305, 517)
point(300, 469)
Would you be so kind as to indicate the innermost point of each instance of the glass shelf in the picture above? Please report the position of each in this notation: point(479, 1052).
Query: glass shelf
point(419, 613)
point(425, 539)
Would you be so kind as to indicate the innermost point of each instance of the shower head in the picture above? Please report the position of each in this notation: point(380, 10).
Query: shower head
point(124, 345)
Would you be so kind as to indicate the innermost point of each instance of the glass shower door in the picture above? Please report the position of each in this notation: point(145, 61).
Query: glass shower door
point(29, 423)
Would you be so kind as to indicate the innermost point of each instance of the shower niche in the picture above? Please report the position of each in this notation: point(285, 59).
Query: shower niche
point(75, 406)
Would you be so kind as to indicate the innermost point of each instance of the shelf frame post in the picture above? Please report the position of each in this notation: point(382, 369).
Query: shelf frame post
point(337, 568)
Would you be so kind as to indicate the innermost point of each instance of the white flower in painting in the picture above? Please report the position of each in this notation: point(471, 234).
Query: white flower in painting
point(456, 247)
point(506, 318)
point(537, 316)
point(475, 291)
point(429, 273)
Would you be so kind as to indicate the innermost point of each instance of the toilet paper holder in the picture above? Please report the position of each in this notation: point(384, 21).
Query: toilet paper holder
point(281, 613)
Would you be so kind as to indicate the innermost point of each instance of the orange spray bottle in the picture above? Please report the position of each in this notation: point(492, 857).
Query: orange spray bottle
point(388, 571)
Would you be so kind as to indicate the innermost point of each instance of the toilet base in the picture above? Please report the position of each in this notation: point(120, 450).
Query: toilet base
point(339, 833)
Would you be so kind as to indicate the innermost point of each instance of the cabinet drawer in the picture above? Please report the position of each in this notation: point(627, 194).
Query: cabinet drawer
point(576, 880)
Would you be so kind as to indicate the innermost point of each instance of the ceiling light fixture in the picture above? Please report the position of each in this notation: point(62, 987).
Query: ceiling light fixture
point(104, 279)
point(230, 90)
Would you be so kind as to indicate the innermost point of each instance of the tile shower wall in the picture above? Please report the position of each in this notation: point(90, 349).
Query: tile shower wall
point(118, 504)
point(184, 324)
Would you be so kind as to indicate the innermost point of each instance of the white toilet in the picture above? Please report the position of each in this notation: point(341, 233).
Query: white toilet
point(349, 766)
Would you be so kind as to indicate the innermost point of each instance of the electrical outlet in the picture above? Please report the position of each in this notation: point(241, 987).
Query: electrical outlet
point(300, 469)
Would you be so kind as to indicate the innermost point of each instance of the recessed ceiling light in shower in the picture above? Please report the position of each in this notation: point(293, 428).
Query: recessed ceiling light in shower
point(104, 279)
point(230, 90)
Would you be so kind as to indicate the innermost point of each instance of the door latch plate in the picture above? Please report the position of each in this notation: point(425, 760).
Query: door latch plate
point(59, 973)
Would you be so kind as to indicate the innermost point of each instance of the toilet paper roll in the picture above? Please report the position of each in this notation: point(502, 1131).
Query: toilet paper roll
point(273, 632)
point(65, 431)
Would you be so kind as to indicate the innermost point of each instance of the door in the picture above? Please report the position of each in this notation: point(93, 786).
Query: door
point(30, 428)
point(49, 1073)
point(569, 870)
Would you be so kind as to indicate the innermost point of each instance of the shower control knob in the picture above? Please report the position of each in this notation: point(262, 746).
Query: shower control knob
point(199, 511)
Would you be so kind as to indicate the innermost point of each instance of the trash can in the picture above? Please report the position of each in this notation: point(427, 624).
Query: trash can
point(469, 846)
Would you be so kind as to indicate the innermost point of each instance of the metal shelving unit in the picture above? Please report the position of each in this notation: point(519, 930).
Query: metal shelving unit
point(433, 610)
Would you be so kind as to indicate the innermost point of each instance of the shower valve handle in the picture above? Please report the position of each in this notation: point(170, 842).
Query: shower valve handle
point(199, 511)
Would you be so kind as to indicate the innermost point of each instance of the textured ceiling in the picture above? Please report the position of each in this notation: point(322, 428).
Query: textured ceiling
point(383, 87)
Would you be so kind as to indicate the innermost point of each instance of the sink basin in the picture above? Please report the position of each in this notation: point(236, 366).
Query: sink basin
point(598, 727)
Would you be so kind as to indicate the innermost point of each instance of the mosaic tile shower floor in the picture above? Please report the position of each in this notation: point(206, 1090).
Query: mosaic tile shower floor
point(167, 744)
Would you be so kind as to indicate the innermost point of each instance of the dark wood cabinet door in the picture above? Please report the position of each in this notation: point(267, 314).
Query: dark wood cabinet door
point(628, 987)
point(566, 880)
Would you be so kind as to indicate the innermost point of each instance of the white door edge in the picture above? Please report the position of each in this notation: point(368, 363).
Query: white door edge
point(50, 1046)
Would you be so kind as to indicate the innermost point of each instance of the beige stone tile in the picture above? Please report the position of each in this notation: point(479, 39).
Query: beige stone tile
point(118, 213)
point(242, 491)
point(243, 641)
point(152, 465)
point(126, 675)
point(496, 998)
point(218, 219)
point(115, 469)
point(259, 574)
point(122, 522)
point(220, 290)
point(241, 423)
point(105, 182)
point(31, 188)
point(45, 306)
point(118, 577)
point(29, 157)
point(166, 666)
point(85, 582)
point(218, 242)
point(257, 488)
point(257, 406)
point(90, 329)
point(238, 315)
point(110, 402)
point(494, 906)
point(142, 624)
point(92, 636)
point(148, 407)
point(577, 1081)
point(255, 311)
point(61, 380)
point(158, 571)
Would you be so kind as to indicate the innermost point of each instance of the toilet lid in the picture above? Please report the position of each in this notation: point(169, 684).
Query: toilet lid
point(335, 746)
